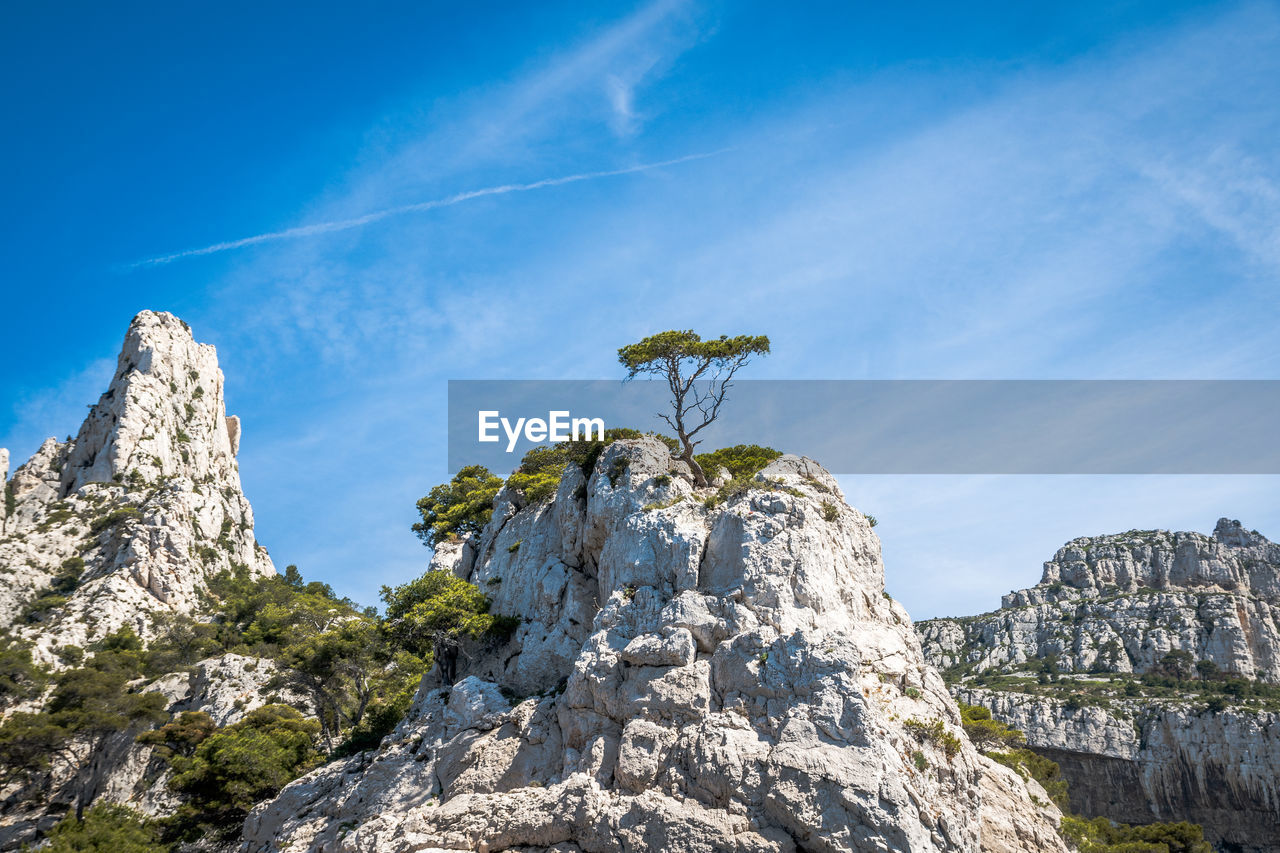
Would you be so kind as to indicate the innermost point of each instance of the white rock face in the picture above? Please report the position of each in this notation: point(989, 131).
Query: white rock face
point(695, 679)
point(134, 514)
point(1120, 603)
point(147, 495)
point(1139, 762)
point(228, 687)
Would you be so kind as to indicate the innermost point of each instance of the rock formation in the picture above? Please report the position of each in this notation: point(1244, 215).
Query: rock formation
point(147, 495)
point(1120, 604)
point(684, 678)
point(1139, 761)
point(129, 519)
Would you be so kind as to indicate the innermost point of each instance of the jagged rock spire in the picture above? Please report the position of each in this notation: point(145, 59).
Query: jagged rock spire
point(147, 496)
point(162, 416)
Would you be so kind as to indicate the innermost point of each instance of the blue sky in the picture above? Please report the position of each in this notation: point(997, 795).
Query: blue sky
point(934, 191)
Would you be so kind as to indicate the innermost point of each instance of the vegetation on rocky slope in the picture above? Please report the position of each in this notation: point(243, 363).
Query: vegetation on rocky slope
point(1004, 744)
point(1209, 688)
point(358, 670)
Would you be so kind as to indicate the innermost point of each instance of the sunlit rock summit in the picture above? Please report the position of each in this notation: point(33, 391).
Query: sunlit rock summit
point(687, 676)
point(128, 519)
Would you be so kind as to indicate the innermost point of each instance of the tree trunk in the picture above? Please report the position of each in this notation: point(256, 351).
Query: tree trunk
point(686, 455)
point(446, 652)
point(89, 789)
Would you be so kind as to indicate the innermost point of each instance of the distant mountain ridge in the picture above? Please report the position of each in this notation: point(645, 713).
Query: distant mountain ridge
point(1145, 663)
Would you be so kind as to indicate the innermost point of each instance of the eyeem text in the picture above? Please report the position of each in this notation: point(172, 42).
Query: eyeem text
point(558, 426)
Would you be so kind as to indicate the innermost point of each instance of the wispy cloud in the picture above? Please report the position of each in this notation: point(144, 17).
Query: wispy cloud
point(318, 228)
point(1065, 221)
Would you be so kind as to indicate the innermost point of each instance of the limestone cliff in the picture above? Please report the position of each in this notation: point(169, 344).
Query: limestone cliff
point(1142, 761)
point(133, 514)
point(119, 527)
point(686, 677)
point(1120, 603)
point(1061, 661)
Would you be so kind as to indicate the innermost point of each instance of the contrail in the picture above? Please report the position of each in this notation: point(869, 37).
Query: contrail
point(375, 216)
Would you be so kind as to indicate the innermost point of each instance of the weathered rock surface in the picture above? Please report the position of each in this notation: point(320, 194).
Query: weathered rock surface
point(147, 495)
point(132, 516)
point(1119, 604)
point(1139, 762)
point(684, 679)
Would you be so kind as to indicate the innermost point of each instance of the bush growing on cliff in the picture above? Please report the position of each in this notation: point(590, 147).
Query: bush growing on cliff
point(343, 658)
point(934, 732)
point(744, 461)
point(1102, 836)
point(1032, 765)
point(461, 506)
point(105, 827)
point(436, 612)
point(540, 470)
point(1178, 664)
point(87, 705)
point(20, 677)
point(233, 768)
point(988, 733)
point(114, 517)
point(1098, 835)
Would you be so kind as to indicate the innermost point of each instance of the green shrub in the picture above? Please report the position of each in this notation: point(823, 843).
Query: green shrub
point(829, 511)
point(180, 736)
point(114, 517)
point(89, 704)
point(382, 718)
point(55, 595)
point(540, 470)
point(42, 606)
point(922, 763)
point(738, 487)
point(616, 469)
point(233, 768)
point(936, 733)
point(1035, 766)
point(463, 505)
point(1102, 836)
point(437, 612)
point(105, 827)
point(20, 677)
point(987, 733)
point(744, 461)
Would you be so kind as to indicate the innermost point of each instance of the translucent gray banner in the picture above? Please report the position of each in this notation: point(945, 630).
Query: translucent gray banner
point(910, 426)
